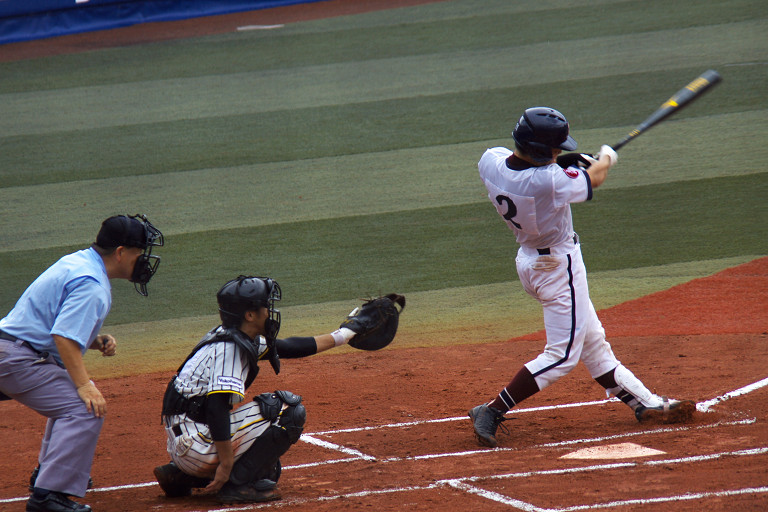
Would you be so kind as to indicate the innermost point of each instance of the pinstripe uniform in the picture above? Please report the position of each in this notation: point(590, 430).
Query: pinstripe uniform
point(535, 204)
point(220, 367)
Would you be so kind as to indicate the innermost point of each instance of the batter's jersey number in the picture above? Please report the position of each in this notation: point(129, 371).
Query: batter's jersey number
point(511, 209)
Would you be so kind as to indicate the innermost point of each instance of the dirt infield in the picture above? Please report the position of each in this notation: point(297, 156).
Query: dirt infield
point(387, 429)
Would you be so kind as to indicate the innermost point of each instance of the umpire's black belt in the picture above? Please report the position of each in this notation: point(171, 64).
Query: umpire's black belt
point(8, 337)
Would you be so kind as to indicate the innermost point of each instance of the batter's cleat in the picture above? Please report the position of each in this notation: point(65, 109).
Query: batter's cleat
point(670, 411)
point(55, 502)
point(485, 421)
point(255, 492)
point(175, 483)
point(36, 471)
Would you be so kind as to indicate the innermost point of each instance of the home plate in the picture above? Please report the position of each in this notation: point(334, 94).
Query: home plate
point(613, 451)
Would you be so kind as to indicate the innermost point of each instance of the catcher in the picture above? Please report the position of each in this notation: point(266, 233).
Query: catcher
point(236, 453)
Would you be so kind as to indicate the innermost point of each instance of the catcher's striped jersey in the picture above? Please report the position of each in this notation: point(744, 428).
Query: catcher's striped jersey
point(215, 368)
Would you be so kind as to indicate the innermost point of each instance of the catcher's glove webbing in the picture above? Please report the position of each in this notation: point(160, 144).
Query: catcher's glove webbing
point(375, 322)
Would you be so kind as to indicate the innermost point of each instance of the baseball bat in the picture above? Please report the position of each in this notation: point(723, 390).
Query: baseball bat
point(677, 102)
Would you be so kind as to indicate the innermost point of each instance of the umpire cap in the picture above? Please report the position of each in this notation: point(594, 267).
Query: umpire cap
point(122, 230)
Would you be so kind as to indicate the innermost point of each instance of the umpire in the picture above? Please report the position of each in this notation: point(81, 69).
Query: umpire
point(236, 453)
point(42, 342)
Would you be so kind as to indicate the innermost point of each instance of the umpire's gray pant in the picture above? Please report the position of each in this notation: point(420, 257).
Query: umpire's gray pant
point(71, 433)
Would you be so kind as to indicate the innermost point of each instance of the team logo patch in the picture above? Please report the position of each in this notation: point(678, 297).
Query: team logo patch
point(571, 172)
point(232, 382)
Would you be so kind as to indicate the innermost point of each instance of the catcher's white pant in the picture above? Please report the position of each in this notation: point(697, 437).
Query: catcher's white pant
point(574, 332)
point(194, 452)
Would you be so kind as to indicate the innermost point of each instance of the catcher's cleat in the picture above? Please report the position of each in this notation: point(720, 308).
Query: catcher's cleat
point(670, 411)
point(254, 492)
point(485, 421)
point(36, 471)
point(175, 483)
point(55, 502)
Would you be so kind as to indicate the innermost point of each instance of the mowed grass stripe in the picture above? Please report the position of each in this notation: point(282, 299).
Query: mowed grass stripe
point(366, 184)
point(434, 248)
point(419, 30)
point(449, 316)
point(137, 103)
point(369, 127)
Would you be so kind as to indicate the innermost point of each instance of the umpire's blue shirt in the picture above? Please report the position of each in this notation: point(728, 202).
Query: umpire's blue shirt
point(70, 299)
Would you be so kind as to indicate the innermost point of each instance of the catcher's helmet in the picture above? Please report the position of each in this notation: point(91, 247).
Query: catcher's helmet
point(539, 130)
point(247, 293)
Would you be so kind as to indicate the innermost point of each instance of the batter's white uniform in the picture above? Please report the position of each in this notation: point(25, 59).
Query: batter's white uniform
point(535, 204)
point(219, 367)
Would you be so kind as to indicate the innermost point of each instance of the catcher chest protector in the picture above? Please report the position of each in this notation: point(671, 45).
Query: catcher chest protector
point(175, 403)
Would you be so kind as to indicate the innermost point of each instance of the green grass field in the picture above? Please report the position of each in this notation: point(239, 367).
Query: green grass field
point(339, 157)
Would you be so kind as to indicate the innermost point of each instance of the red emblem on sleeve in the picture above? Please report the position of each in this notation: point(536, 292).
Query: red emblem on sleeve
point(571, 172)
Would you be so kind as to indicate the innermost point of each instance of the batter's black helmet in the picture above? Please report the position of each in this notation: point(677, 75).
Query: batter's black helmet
point(248, 293)
point(539, 130)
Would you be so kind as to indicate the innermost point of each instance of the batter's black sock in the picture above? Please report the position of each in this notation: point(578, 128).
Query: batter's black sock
point(522, 386)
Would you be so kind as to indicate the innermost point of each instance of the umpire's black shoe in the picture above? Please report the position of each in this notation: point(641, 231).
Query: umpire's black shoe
point(36, 471)
point(55, 502)
point(485, 421)
point(256, 492)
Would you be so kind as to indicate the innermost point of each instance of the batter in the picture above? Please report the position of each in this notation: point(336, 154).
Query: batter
point(532, 189)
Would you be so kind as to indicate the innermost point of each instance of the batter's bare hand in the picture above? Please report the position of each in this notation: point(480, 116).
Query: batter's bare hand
point(93, 400)
point(107, 345)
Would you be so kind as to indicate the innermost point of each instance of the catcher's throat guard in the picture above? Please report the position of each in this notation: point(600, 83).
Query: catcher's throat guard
point(375, 322)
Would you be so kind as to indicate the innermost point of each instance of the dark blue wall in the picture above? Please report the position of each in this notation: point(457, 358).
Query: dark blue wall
point(22, 20)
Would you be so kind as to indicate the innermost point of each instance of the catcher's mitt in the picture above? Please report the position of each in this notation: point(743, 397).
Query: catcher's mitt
point(375, 322)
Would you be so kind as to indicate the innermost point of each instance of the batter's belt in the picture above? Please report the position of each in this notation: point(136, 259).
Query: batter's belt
point(548, 250)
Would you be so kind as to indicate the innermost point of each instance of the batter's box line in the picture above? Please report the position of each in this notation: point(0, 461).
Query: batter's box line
point(705, 406)
point(527, 507)
point(459, 418)
point(356, 455)
point(465, 485)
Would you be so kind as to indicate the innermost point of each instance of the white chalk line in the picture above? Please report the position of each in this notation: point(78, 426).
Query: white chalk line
point(702, 407)
point(461, 418)
point(465, 484)
point(706, 406)
point(258, 27)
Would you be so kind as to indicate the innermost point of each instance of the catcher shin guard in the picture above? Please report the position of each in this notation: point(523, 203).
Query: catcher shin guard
point(261, 459)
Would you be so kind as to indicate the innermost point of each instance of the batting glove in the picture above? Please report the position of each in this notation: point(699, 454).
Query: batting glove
point(606, 150)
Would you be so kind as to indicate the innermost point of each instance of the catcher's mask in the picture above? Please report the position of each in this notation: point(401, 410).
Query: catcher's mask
point(247, 293)
point(133, 231)
point(541, 129)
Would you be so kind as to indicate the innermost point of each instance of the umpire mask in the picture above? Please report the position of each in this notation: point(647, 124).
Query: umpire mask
point(134, 231)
